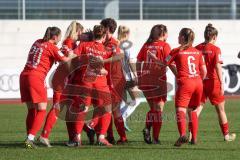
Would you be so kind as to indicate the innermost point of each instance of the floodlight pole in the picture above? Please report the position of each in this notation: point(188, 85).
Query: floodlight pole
point(83, 9)
point(197, 9)
point(141, 9)
point(23, 10)
point(234, 9)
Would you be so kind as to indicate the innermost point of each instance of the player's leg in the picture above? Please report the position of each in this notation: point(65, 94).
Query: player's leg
point(32, 111)
point(50, 120)
point(223, 122)
point(104, 121)
point(157, 118)
point(131, 107)
point(193, 124)
point(149, 122)
point(181, 124)
point(119, 123)
point(218, 101)
point(37, 124)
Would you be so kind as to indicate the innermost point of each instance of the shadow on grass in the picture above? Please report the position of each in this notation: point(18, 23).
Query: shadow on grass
point(132, 145)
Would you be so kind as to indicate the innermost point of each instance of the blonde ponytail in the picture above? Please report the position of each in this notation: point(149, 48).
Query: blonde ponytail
point(72, 30)
point(123, 32)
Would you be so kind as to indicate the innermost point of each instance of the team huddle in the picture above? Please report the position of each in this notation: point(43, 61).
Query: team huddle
point(100, 73)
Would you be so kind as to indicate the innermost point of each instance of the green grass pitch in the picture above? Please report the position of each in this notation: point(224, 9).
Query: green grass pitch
point(210, 140)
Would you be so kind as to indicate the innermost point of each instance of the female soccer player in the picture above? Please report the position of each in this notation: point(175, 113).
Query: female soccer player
point(129, 72)
point(95, 85)
point(154, 86)
point(41, 57)
point(213, 85)
point(116, 81)
point(72, 36)
point(190, 72)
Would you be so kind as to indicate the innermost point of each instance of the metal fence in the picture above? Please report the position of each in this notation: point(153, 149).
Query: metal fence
point(120, 9)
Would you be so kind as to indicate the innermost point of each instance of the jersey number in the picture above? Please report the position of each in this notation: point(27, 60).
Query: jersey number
point(191, 66)
point(34, 56)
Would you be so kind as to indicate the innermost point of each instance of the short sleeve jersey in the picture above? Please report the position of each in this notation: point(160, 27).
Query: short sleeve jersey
point(188, 62)
point(212, 56)
point(161, 49)
point(41, 57)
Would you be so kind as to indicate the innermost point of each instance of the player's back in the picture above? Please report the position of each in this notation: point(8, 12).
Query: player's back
point(41, 57)
point(212, 56)
point(188, 62)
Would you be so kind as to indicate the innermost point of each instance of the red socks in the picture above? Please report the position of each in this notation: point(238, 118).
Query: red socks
point(79, 122)
point(181, 122)
point(157, 124)
point(149, 119)
point(86, 128)
point(30, 118)
point(104, 121)
point(110, 129)
point(70, 127)
point(194, 128)
point(224, 128)
point(120, 128)
point(50, 122)
point(37, 122)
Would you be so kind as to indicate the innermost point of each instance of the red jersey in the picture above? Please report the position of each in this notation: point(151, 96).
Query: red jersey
point(41, 57)
point(212, 56)
point(90, 48)
point(68, 45)
point(188, 62)
point(161, 49)
point(114, 69)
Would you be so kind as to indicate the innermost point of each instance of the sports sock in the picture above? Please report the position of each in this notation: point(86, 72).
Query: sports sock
point(157, 124)
point(104, 122)
point(119, 123)
point(224, 128)
point(30, 118)
point(181, 122)
point(194, 130)
point(110, 128)
point(38, 122)
point(149, 119)
point(50, 122)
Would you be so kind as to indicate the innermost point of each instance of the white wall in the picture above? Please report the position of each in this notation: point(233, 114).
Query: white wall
point(16, 38)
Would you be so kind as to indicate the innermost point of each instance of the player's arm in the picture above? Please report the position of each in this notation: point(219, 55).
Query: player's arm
point(70, 56)
point(203, 71)
point(218, 67)
point(202, 68)
point(219, 74)
point(173, 69)
point(116, 57)
point(156, 60)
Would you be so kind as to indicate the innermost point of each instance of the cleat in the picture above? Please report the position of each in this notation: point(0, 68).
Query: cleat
point(122, 141)
point(29, 144)
point(156, 142)
point(44, 141)
point(111, 140)
point(91, 134)
point(181, 140)
point(147, 136)
point(73, 144)
point(104, 142)
point(76, 141)
point(230, 137)
point(193, 142)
